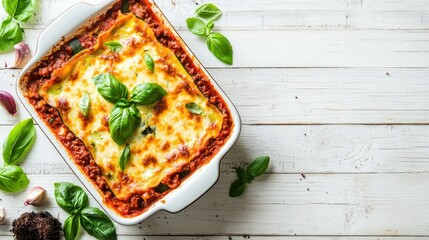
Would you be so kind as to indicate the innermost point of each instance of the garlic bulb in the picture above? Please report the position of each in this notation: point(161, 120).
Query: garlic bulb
point(2, 215)
point(36, 197)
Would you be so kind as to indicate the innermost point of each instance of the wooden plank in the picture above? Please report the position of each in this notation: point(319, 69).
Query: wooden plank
point(282, 204)
point(280, 14)
point(312, 95)
point(296, 149)
point(307, 48)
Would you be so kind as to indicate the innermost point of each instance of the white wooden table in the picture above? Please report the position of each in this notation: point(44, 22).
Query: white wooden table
point(335, 91)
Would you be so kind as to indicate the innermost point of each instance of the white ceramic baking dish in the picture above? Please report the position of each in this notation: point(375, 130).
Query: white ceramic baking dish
point(194, 186)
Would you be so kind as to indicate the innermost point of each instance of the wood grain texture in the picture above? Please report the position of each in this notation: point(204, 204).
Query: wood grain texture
point(296, 149)
point(313, 95)
point(282, 204)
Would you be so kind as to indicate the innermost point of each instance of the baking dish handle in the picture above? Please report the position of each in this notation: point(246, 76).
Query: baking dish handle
point(193, 188)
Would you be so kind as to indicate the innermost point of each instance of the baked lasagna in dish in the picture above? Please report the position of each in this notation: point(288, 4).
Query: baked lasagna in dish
point(130, 105)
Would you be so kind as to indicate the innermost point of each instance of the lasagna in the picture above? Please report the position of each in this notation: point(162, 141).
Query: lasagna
point(130, 105)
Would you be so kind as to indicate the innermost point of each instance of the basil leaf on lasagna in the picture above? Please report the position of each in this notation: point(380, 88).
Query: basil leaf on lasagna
point(75, 45)
point(125, 157)
point(147, 93)
point(84, 104)
point(124, 119)
point(110, 88)
point(114, 46)
point(194, 108)
point(149, 62)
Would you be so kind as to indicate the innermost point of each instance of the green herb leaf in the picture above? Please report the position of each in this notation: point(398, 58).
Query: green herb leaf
point(97, 224)
point(114, 46)
point(110, 88)
point(197, 26)
point(125, 6)
point(71, 227)
point(75, 45)
point(194, 108)
point(258, 166)
point(149, 62)
point(237, 188)
point(70, 197)
point(161, 188)
point(220, 46)
point(19, 142)
point(243, 175)
point(84, 104)
point(147, 93)
point(124, 119)
point(21, 10)
point(148, 130)
point(125, 157)
point(11, 33)
point(209, 11)
point(13, 179)
point(209, 27)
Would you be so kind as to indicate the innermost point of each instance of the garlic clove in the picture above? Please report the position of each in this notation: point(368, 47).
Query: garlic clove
point(22, 55)
point(2, 215)
point(7, 100)
point(36, 197)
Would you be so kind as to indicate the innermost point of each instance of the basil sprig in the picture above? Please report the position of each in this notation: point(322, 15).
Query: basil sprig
point(110, 88)
point(15, 148)
point(149, 62)
point(114, 46)
point(19, 142)
point(11, 31)
point(217, 43)
point(256, 168)
point(124, 119)
point(74, 201)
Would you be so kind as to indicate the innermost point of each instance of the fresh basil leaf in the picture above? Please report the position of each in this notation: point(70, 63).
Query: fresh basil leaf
point(71, 227)
point(84, 104)
point(75, 45)
point(220, 46)
point(209, 27)
point(13, 179)
point(70, 197)
point(243, 175)
point(237, 188)
point(147, 93)
point(24, 10)
point(11, 33)
point(125, 157)
point(197, 26)
point(19, 142)
point(110, 88)
point(124, 120)
point(97, 224)
point(149, 62)
point(114, 46)
point(258, 166)
point(209, 11)
point(10, 6)
point(194, 108)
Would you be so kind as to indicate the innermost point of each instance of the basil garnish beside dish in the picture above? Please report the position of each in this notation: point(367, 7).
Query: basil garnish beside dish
point(125, 117)
point(11, 32)
point(72, 199)
point(217, 43)
point(255, 169)
point(15, 148)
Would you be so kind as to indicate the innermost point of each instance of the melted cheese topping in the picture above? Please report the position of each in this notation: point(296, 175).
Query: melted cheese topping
point(178, 135)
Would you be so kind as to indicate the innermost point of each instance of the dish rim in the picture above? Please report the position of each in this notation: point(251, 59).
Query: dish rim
point(192, 188)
